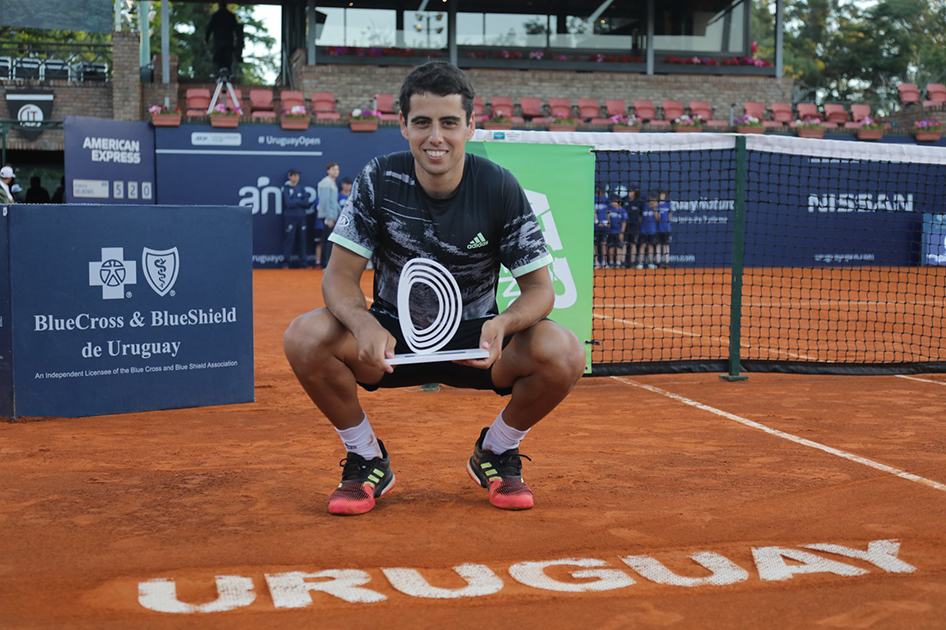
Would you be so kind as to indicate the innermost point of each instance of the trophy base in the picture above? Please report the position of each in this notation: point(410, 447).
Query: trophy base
point(439, 357)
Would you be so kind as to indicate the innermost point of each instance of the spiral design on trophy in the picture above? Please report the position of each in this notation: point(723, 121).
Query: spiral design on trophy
point(449, 305)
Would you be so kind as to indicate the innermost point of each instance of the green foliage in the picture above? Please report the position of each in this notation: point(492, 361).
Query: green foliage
point(188, 30)
point(842, 50)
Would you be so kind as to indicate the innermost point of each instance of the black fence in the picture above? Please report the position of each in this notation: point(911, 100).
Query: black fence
point(53, 61)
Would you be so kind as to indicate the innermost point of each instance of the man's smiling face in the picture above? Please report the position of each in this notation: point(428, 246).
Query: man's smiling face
point(437, 130)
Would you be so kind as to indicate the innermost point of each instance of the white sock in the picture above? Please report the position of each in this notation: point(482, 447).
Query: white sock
point(501, 437)
point(360, 440)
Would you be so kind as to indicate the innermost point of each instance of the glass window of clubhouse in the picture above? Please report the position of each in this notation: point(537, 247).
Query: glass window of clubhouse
point(523, 33)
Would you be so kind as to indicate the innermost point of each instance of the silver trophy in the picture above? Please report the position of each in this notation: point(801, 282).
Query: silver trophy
point(427, 342)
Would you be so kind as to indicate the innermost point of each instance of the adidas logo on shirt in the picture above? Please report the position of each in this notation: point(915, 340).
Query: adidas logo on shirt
point(478, 241)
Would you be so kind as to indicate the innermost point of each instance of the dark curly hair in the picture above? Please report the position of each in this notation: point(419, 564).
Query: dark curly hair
point(440, 78)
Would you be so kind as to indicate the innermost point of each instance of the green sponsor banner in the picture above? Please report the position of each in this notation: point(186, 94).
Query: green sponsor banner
point(559, 182)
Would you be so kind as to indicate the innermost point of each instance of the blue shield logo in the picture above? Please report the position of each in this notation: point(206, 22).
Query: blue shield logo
point(160, 268)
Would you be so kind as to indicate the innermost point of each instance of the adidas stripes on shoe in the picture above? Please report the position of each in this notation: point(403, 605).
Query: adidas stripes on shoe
point(363, 481)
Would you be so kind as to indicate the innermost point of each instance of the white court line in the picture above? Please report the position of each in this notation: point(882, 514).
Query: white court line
point(922, 380)
point(721, 340)
point(788, 436)
point(789, 303)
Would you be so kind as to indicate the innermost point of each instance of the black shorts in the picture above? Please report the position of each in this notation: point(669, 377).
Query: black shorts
point(447, 373)
point(648, 239)
point(632, 237)
point(614, 240)
point(663, 238)
point(601, 238)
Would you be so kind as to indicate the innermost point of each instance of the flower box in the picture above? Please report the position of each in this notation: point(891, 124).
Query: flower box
point(626, 128)
point(869, 134)
point(555, 127)
point(294, 124)
point(809, 132)
point(166, 120)
point(928, 136)
point(750, 129)
point(687, 128)
point(370, 124)
point(496, 125)
point(225, 121)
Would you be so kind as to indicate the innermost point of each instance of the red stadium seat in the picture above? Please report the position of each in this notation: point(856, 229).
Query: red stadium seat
point(836, 113)
point(645, 110)
point(859, 112)
point(936, 92)
point(588, 109)
point(387, 105)
point(323, 106)
point(503, 104)
point(560, 108)
point(289, 99)
point(754, 109)
point(531, 109)
point(261, 103)
point(909, 94)
point(616, 106)
point(782, 113)
point(672, 110)
point(479, 109)
point(808, 110)
point(701, 109)
point(198, 100)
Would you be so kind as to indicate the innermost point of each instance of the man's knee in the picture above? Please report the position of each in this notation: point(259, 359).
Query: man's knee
point(559, 352)
point(309, 338)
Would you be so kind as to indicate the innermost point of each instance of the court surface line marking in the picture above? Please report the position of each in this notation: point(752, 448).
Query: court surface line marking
point(788, 436)
point(723, 341)
point(922, 380)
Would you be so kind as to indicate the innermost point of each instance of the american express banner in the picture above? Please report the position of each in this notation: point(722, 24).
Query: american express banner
point(109, 161)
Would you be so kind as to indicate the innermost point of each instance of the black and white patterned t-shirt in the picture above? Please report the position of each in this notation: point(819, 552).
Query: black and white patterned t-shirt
point(485, 222)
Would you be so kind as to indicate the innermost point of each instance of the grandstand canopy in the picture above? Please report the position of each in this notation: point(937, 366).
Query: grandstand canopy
point(634, 30)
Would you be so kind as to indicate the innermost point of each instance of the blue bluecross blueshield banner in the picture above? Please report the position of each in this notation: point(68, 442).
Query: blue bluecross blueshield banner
point(109, 161)
point(116, 309)
point(247, 166)
point(6, 319)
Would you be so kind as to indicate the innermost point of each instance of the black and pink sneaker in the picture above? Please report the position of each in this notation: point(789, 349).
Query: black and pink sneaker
point(501, 475)
point(363, 481)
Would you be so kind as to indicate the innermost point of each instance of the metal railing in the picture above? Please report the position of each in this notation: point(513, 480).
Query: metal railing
point(55, 61)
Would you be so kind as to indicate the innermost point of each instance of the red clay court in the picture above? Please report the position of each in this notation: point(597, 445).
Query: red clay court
point(667, 501)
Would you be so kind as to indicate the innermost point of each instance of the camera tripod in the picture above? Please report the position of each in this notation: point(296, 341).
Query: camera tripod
point(223, 80)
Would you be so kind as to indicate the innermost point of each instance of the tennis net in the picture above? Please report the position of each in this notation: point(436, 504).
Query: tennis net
point(780, 254)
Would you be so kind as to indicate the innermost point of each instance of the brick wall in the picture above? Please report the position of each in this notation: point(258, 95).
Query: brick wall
point(126, 76)
point(154, 93)
point(354, 85)
point(69, 99)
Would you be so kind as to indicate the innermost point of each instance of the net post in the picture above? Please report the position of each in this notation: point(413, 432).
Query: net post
point(738, 250)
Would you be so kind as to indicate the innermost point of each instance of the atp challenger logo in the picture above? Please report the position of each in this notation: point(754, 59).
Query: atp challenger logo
point(112, 273)
point(160, 269)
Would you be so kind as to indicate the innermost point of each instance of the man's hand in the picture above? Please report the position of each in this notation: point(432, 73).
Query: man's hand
point(491, 338)
point(330, 223)
point(375, 345)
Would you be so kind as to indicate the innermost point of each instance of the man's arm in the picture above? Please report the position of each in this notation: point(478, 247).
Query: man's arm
point(341, 289)
point(536, 299)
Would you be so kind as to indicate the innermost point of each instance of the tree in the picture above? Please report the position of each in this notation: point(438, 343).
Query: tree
point(188, 23)
point(188, 27)
point(842, 50)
